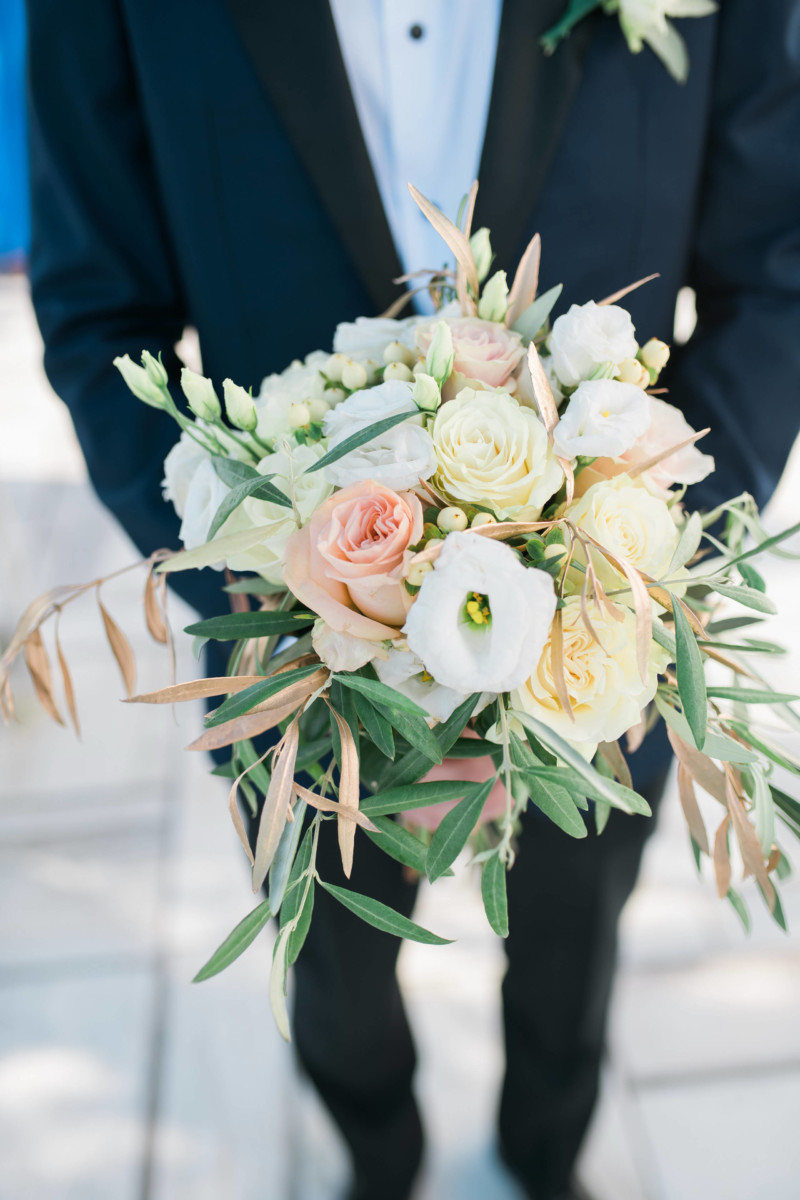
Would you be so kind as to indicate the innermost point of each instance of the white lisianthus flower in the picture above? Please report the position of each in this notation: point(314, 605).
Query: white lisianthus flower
point(343, 651)
point(403, 671)
point(590, 336)
point(397, 458)
point(287, 466)
point(668, 427)
point(603, 417)
point(367, 337)
point(300, 383)
point(480, 618)
point(631, 524)
point(602, 679)
point(492, 450)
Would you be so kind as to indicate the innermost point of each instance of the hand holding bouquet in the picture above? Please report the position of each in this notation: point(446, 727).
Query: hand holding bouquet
point(471, 575)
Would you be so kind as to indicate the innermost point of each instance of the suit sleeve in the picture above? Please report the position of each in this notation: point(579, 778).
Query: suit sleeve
point(103, 281)
point(740, 371)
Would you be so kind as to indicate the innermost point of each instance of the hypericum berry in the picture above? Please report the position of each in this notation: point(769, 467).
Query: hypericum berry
point(298, 416)
point(452, 520)
point(354, 376)
point(417, 572)
point(482, 518)
point(398, 370)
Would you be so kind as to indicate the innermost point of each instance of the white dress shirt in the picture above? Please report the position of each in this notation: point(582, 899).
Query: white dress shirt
point(421, 75)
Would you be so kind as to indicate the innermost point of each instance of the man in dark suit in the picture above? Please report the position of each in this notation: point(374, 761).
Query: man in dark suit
point(204, 162)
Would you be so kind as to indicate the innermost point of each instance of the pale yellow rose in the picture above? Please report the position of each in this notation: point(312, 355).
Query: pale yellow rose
point(490, 450)
point(602, 679)
point(629, 522)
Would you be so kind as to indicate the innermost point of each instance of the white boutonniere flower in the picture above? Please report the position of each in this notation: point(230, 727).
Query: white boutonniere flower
point(643, 22)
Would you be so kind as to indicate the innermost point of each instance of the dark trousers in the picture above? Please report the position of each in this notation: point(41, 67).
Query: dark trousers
point(353, 1038)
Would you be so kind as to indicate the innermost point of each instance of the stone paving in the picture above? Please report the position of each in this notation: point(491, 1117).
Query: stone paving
point(119, 872)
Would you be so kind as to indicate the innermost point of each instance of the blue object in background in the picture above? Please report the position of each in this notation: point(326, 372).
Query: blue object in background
point(14, 217)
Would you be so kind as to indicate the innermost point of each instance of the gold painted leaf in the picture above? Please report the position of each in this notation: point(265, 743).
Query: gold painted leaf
point(334, 806)
point(722, 859)
point(615, 296)
point(557, 663)
point(120, 648)
point(613, 755)
point(700, 767)
point(348, 790)
point(38, 665)
point(691, 809)
point(276, 803)
point(69, 691)
point(197, 689)
point(467, 273)
point(749, 845)
point(152, 612)
point(526, 281)
point(249, 725)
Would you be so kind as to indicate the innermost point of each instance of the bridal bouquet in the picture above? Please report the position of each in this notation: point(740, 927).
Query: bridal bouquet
point(460, 571)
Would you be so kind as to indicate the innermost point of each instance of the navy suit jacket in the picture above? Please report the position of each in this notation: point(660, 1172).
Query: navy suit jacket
point(200, 162)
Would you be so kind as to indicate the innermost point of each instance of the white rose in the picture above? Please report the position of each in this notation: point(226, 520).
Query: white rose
point(492, 450)
point(602, 679)
point(180, 466)
point(480, 618)
point(589, 336)
point(603, 417)
point(668, 427)
point(342, 651)
point(298, 384)
point(287, 466)
point(403, 671)
point(629, 522)
point(202, 498)
point(367, 337)
point(397, 458)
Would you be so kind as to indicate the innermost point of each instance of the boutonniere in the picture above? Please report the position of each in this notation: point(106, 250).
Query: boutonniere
point(642, 21)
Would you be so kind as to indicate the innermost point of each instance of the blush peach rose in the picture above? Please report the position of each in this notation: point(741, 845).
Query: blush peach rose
point(484, 351)
point(347, 563)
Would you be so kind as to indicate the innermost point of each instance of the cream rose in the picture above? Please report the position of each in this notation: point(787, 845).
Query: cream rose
point(668, 427)
point(367, 337)
point(484, 351)
point(347, 563)
point(589, 336)
point(602, 678)
point(629, 522)
point(491, 450)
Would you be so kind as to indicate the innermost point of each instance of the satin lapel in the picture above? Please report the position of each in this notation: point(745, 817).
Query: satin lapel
point(295, 52)
point(531, 98)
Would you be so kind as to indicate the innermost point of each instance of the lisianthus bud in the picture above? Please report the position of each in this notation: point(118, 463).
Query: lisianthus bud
point(482, 252)
point(398, 370)
point(239, 406)
point(396, 352)
point(452, 520)
point(156, 370)
point(655, 354)
point(200, 395)
point(334, 366)
point(417, 572)
point(140, 383)
point(354, 376)
point(298, 416)
point(318, 408)
point(494, 298)
point(440, 357)
point(426, 394)
point(482, 518)
point(632, 371)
